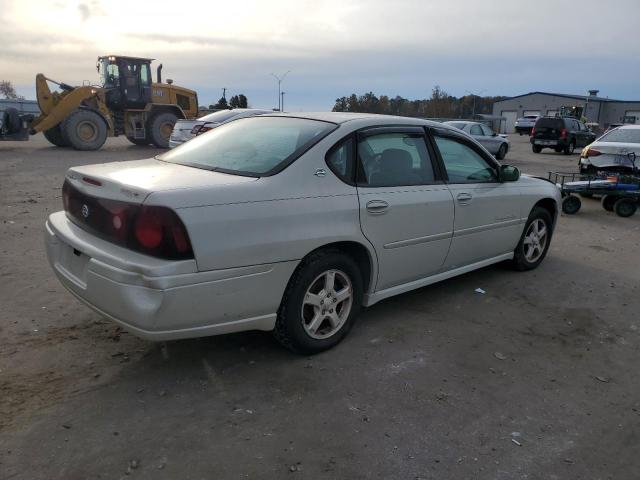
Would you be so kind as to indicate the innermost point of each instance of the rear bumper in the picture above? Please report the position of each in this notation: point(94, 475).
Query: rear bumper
point(163, 300)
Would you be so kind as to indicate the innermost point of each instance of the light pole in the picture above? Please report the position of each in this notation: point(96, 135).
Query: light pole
point(280, 79)
point(282, 101)
point(474, 95)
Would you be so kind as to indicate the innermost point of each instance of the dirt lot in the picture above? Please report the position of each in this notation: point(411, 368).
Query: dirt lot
point(537, 378)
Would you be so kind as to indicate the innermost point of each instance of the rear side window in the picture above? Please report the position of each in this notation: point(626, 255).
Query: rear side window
point(463, 164)
point(476, 130)
point(340, 160)
point(394, 159)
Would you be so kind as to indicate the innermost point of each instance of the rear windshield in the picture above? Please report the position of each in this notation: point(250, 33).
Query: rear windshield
point(459, 125)
point(221, 116)
point(556, 123)
point(622, 135)
point(253, 146)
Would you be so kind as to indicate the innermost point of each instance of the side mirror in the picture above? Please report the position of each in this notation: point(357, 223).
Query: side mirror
point(509, 173)
point(494, 134)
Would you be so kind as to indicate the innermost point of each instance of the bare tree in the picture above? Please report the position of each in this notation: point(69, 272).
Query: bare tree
point(7, 90)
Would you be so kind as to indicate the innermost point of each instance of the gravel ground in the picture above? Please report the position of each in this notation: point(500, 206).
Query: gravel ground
point(537, 378)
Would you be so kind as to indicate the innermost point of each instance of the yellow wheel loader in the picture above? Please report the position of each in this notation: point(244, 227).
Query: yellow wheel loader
point(125, 103)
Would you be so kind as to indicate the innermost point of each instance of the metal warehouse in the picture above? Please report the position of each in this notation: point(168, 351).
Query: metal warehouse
point(600, 110)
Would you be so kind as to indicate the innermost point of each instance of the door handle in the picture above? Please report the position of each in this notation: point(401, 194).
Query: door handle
point(377, 206)
point(464, 198)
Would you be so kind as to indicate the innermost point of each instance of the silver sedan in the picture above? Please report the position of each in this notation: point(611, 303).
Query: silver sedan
point(185, 130)
point(497, 144)
point(291, 224)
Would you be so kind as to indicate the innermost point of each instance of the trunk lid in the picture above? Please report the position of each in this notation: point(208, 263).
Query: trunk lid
point(548, 128)
point(182, 130)
point(615, 154)
point(134, 181)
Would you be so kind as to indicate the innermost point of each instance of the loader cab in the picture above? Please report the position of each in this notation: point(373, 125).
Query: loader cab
point(128, 81)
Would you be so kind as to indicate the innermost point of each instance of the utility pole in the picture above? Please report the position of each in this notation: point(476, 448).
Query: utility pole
point(224, 92)
point(474, 95)
point(282, 101)
point(280, 79)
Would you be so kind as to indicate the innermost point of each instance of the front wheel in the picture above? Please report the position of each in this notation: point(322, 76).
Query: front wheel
point(502, 152)
point(535, 240)
point(56, 137)
point(85, 130)
point(569, 149)
point(320, 303)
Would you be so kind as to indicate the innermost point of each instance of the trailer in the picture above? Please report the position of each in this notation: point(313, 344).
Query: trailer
point(620, 193)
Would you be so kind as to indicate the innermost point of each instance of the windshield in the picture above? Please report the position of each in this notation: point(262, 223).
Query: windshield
point(108, 71)
point(622, 135)
point(252, 146)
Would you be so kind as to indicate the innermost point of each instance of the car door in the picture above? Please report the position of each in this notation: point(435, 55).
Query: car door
point(492, 142)
point(488, 215)
point(476, 132)
point(406, 210)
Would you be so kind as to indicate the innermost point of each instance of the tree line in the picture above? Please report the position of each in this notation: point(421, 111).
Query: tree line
point(237, 101)
point(439, 105)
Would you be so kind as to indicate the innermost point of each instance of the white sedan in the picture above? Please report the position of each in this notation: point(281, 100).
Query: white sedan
point(291, 224)
point(618, 150)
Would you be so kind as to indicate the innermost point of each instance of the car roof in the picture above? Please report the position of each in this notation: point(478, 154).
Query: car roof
point(628, 127)
point(371, 118)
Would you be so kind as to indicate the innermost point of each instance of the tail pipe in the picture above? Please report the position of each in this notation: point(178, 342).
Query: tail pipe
point(160, 73)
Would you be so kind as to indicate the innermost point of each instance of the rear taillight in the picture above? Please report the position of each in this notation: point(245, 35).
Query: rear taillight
point(152, 230)
point(592, 153)
point(563, 133)
point(533, 131)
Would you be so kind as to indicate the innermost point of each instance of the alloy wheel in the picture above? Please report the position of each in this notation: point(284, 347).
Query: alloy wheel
point(535, 240)
point(326, 304)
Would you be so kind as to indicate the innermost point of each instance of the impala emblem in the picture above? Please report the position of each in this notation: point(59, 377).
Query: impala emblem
point(85, 210)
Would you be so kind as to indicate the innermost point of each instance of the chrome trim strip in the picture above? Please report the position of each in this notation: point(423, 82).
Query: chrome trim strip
point(490, 226)
point(416, 241)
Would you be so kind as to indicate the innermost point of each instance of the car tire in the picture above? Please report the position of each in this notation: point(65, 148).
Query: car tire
point(625, 207)
point(160, 128)
point(85, 130)
point(608, 201)
point(569, 149)
point(502, 152)
point(536, 148)
point(571, 204)
point(312, 319)
point(534, 244)
point(55, 136)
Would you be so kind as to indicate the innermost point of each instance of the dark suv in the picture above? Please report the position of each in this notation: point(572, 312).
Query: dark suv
point(563, 134)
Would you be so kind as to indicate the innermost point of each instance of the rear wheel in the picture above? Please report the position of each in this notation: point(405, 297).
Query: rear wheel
point(569, 149)
point(608, 201)
point(535, 240)
point(160, 128)
point(571, 204)
point(502, 152)
point(320, 303)
point(536, 148)
point(85, 129)
point(56, 137)
point(625, 207)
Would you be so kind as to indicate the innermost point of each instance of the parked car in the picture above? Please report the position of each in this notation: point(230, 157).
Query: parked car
point(497, 144)
point(615, 151)
point(291, 224)
point(185, 130)
point(563, 134)
point(524, 125)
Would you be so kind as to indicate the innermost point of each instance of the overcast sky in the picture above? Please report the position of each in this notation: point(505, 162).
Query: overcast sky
point(333, 48)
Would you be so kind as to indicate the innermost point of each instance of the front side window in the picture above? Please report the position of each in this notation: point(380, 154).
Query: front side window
point(486, 130)
point(476, 130)
point(463, 164)
point(394, 159)
point(254, 146)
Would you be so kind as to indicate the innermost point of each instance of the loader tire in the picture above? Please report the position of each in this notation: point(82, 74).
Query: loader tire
point(85, 129)
point(160, 128)
point(55, 136)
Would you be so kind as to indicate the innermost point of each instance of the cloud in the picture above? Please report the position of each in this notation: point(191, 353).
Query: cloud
point(89, 9)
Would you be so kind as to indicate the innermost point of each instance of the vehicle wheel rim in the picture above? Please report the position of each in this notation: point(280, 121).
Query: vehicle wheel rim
point(87, 131)
point(166, 129)
point(535, 240)
point(327, 304)
point(625, 208)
